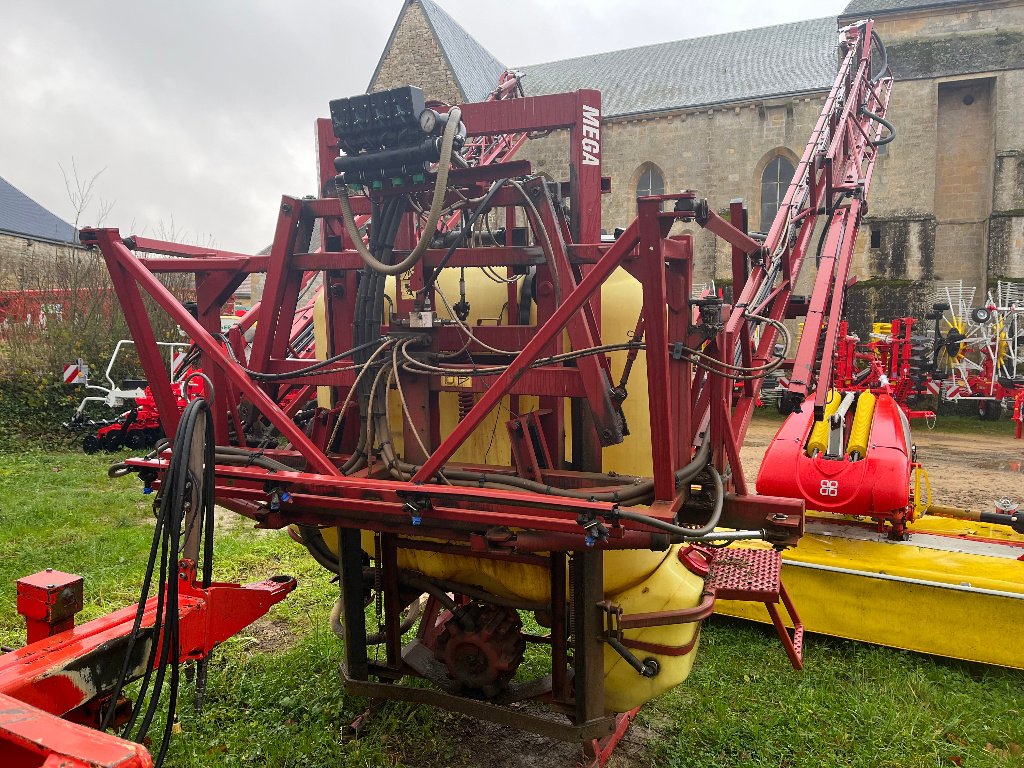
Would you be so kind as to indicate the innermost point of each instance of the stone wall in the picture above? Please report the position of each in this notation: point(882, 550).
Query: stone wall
point(414, 57)
point(721, 153)
point(965, 18)
point(947, 199)
point(947, 202)
point(18, 256)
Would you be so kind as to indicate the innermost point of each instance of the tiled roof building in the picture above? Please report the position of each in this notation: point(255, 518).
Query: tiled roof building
point(28, 231)
point(729, 114)
point(22, 216)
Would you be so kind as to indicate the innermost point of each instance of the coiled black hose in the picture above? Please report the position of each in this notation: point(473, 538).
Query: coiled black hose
point(175, 494)
point(885, 123)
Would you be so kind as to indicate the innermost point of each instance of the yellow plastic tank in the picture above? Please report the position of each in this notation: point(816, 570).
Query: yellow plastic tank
point(671, 587)
point(640, 581)
point(623, 569)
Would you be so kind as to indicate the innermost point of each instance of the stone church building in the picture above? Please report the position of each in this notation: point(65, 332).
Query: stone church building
point(729, 115)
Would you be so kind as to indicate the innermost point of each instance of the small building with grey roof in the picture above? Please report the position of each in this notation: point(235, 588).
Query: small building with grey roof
point(28, 231)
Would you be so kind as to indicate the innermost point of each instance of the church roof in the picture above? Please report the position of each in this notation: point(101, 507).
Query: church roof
point(861, 8)
point(21, 215)
point(476, 71)
point(736, 66)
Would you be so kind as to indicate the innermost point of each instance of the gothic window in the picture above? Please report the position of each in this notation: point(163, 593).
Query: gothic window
point(651, 182)
point(774, 182)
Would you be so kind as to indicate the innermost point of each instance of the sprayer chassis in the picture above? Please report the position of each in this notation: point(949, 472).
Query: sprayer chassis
point(692, 408)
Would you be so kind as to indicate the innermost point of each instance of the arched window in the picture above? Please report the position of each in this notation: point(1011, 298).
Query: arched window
point(651, 182)
point(774, 181)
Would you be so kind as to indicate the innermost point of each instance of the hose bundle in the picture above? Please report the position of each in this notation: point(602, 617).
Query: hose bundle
point(171, 506)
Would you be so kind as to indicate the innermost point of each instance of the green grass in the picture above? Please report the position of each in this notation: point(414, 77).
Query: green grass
point(274, 698)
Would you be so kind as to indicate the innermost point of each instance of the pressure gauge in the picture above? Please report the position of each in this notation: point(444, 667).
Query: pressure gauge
point(428, 120)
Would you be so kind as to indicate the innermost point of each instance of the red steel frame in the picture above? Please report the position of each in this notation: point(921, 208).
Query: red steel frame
point(50, 689)
point(661, 264)
point(690, 406)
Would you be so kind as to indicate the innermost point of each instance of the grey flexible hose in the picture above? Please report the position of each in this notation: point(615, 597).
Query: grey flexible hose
point(436, 204)
point(682, 530)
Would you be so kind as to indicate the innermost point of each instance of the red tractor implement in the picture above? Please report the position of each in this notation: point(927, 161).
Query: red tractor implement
point(602, 508)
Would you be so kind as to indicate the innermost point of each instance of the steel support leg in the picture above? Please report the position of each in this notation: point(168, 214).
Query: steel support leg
point(588, 650)
point(353, 614)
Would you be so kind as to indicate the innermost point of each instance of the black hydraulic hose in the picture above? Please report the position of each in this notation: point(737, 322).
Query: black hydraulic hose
point(628, 495)
point(164, 635)
point(827, 211)
point(251, 459)
point(634, 494)
point(700, 459)
point(172, 506)
point(159, 545)
point(885, 123)
point(424, 585)
point(136, 625)
point(681, 530)
point(306, 371)
point(369, 311)
point(877, 40)
point(313, 540)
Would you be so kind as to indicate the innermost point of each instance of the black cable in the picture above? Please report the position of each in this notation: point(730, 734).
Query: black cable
point(175, 493)
point(467, 227)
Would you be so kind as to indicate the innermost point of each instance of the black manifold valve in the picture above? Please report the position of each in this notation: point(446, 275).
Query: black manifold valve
point(388, 136)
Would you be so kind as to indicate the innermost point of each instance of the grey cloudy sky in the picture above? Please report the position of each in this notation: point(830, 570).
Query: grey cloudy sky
point(201, 111)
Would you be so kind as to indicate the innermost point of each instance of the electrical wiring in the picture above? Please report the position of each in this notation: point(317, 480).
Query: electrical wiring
point(371, 422)
point(355, 385)
point(405, 407)
point(493, 276)
point(488, 271)
point(467, 227)
point(310, 370)
point(465, 328)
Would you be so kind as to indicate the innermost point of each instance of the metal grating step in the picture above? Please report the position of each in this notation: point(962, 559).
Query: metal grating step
point(753, 575)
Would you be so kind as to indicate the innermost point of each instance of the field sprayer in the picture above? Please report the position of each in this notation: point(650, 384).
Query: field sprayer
point(474, 463)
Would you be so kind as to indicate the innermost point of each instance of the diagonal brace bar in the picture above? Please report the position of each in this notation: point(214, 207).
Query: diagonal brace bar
point(570, 305)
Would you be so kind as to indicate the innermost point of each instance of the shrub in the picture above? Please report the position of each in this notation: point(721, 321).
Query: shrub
point(34, 401)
